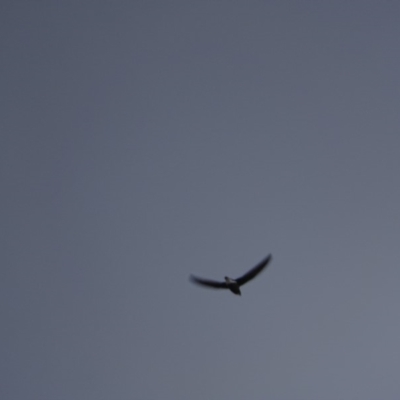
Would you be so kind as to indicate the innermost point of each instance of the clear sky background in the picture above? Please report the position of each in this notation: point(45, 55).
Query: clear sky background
point(145, 141)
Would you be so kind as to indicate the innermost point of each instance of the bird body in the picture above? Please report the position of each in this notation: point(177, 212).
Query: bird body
point(234, 284)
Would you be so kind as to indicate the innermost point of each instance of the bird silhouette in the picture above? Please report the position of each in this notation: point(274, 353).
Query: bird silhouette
point(233, 284)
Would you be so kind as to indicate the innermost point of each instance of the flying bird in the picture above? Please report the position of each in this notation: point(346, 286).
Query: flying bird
point(234, 284)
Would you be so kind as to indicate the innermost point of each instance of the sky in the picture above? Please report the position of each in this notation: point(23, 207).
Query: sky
point(142, 142)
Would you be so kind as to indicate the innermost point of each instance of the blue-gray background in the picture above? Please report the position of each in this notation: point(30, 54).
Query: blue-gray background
point(144, 141)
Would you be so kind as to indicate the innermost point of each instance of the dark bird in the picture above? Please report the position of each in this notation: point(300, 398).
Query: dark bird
point(234, 284)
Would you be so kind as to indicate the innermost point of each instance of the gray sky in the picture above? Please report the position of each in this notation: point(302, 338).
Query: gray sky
point(145, 141)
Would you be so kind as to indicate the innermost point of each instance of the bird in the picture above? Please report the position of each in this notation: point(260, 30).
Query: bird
point(233, 284)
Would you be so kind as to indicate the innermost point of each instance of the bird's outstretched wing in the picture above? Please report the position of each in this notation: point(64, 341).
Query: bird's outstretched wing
point(209, 283)
point(254, 271)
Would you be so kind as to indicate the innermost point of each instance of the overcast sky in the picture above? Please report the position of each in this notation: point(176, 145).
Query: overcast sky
point(145, 141)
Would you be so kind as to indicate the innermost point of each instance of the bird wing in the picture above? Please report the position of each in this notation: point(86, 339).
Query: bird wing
point(254, 271)
point(209, 283)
